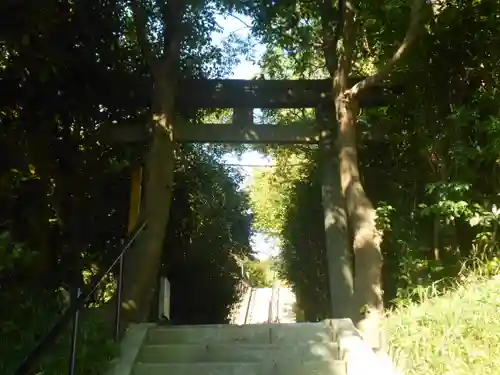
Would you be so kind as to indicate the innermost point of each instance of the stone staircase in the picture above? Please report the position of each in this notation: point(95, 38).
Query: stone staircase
point(258, 349)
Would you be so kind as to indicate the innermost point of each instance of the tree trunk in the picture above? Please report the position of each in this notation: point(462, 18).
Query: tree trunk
point(367, 305)
point(143, 261)
point(367, 299)
point(338, 249)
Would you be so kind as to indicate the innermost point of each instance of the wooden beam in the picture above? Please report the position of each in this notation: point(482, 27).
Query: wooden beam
point(218, 133)
point(229, 133)
point(128, 132)
point(233, 93)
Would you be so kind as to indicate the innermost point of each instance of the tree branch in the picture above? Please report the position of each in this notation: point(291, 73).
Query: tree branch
point(346, 48)
point(140, 21)
point(330, 38)
point(239, 19)
point(411, 35)
point(172, 32)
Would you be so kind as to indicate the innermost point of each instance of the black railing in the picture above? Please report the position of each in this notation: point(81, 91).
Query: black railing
point(72, 313)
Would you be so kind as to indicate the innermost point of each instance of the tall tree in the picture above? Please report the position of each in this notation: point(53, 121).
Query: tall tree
point(368, 301)
point(168, 32)
point(426, 158)
point(162, 59)
point(315, 29)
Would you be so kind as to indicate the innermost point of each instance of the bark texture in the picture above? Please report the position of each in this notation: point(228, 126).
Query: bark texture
point(367, 301)
point(144, 259)
point(338, 250)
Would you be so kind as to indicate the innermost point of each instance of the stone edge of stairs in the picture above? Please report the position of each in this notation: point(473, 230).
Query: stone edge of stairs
point(129, 349)
point(360, 358)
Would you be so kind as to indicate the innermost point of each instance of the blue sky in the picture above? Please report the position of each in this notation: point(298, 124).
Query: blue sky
point(246, 70)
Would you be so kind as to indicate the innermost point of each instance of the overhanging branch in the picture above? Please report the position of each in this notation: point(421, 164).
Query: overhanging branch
point(140, 20)
point(411, 35)
point(172, 32)
point(330, 37)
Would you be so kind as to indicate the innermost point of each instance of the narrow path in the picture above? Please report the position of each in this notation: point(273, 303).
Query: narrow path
point(265, 305)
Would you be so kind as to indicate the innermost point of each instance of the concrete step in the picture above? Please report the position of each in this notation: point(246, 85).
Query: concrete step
point(251, 333)
point(269, 368)
point(215, 352)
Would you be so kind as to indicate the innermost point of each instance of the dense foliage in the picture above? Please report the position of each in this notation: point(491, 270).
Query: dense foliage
point(208, 231)
point(68, 70)
point(428, 160)
point(261, 273)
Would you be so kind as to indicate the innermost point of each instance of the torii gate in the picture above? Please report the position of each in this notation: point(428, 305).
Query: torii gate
point(243, 96)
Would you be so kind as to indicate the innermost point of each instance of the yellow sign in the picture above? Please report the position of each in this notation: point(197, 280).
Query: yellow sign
point(135, 198)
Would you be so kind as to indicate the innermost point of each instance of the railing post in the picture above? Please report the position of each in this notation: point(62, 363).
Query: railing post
point(271, 306)
point(71, 314)
point(277, 317)
point(250, 297)
point(74, 295)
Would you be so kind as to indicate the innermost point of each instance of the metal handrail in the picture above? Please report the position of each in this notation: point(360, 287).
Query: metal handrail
point(72, 313)
point(270, 309)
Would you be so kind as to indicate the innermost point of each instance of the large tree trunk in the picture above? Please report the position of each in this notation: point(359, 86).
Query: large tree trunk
point(367, 299)
point(143, 262)
point(338, 249)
